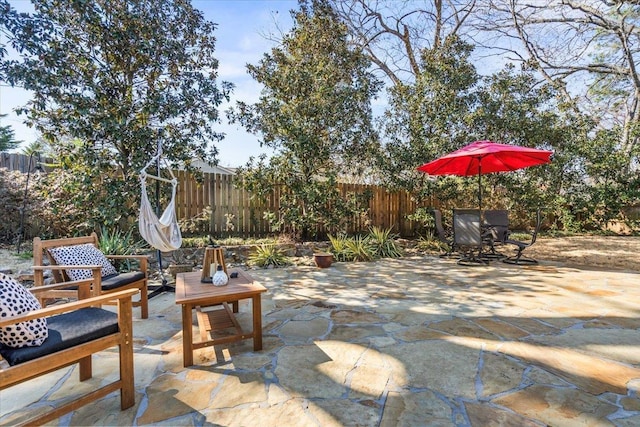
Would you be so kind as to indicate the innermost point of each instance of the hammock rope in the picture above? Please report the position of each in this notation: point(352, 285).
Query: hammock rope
point(161, 233)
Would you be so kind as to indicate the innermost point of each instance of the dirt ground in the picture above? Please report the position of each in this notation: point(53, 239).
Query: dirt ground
point(620, 252)
point(602, 251)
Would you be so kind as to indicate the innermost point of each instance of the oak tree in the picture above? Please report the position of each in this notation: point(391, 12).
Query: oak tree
point(589, 50)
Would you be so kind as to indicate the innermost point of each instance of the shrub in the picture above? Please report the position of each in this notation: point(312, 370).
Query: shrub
point(12, 200)
point(360, 249)
point(196, 224)
point(424, 220)
point(383, 244)
point(201, 242)
point(118, 242)
point(430, 245)
point(266, 255)
point(236, 241)
point(339, 247)
point(194, 242)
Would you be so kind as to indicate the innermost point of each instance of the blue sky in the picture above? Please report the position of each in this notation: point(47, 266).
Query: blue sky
point(242, 25)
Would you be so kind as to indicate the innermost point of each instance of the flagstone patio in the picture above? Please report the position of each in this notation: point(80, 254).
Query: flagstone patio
point(409, 342)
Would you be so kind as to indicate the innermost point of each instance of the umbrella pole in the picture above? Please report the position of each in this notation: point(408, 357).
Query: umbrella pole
point(480, 187)
point(480, 204)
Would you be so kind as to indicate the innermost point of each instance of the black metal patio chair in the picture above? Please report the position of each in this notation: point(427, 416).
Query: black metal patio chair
point(518, 258)
point(443, 236)
point(495, 231)
point(467, 236)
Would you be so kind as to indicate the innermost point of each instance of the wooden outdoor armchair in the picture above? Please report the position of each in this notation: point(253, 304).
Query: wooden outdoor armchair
point(76, 331)
point(103, 285)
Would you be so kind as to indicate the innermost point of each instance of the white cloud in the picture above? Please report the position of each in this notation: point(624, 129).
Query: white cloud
point(232, 70)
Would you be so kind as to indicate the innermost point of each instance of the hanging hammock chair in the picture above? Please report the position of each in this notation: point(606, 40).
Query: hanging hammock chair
point(161, 233)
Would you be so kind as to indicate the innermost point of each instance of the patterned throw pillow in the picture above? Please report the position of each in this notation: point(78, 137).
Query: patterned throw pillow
point(16, 300)
point(86, 254)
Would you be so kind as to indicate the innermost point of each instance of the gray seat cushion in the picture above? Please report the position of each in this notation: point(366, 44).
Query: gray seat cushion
point(65, 331)
point(122, 279)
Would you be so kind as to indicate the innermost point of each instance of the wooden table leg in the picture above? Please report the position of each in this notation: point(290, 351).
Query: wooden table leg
point(257, 322)
point(187, 335)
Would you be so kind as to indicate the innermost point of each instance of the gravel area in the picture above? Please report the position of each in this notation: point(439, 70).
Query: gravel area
point(11, 260)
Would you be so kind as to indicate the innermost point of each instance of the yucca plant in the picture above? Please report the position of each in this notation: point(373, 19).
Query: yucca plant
point(359, 249)
point(383, 244)
point(24, 255)
point(431, 245)
point(339, 247)
point(266, 255)
point(118, 242)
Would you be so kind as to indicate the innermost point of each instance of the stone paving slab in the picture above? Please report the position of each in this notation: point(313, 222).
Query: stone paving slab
point(407, 342)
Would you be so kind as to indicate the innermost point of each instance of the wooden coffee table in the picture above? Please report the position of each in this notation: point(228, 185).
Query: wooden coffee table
point(192, 294)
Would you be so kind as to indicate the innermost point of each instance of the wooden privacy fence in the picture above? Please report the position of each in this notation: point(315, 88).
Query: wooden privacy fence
point(235, 213)
point(23, 163)
point(17, 162)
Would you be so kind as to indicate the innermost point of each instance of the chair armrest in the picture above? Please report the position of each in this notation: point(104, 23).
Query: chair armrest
point(66, 267)
point(38, 270)
point(57, 309)
point(84, 283)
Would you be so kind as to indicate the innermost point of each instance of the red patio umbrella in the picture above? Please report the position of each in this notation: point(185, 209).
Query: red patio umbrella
point(486, 157)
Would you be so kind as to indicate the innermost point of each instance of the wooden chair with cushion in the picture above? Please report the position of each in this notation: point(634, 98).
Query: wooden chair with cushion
point(35, 341)
point(78, 258)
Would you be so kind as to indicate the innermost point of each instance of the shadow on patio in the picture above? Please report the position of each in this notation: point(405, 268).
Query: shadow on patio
point(414, 341)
